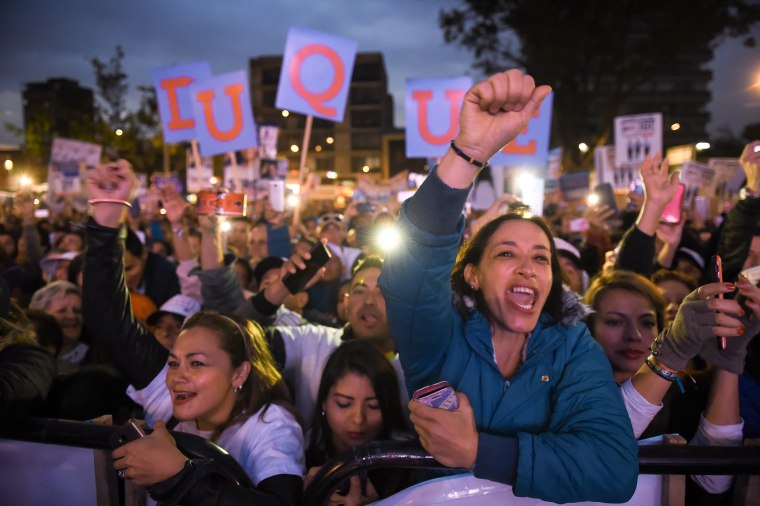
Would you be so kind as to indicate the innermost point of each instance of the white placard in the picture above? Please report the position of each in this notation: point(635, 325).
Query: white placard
point(636, 137)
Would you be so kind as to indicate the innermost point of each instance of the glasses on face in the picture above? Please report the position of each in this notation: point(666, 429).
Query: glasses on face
point(335, 218)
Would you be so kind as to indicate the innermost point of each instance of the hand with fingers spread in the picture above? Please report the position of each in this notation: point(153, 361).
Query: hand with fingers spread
point(701, 318)
point(659, 186)
point(597, 216)
point(150, 459)
point(449, 436)
point(174, 204)
point(732, 357)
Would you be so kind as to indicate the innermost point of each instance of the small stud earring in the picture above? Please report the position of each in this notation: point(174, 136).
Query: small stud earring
point(238, 389)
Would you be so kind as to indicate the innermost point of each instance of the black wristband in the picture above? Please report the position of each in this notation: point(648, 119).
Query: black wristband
point(460, 153)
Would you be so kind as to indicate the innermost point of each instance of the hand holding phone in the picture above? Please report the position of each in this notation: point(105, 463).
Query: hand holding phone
point(296, 282)
point(717, 272)
point(130, 431)
point(438, 395)
point(672, 212)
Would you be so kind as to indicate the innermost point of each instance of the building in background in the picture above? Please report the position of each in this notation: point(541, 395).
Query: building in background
point(57, 107)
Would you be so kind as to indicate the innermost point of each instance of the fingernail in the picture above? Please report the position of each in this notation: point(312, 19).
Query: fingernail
point(740, 331)
point(741, 312)
point(730, 286)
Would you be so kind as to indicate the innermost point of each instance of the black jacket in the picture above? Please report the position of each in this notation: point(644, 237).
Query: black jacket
point(139, 356)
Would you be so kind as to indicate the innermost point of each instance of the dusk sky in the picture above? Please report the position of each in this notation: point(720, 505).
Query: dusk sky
point(44, 38)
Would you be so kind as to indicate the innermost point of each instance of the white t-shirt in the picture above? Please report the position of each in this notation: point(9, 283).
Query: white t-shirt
point(263, 447)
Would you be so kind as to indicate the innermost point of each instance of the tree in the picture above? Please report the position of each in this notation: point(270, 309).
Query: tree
point(133, 135)
point(582, 47)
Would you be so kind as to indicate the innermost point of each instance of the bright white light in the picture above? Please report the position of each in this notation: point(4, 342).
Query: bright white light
point(293, 201)
point(524, 181)
point(162, 211)
point(365, 169)
point(331, 174)
point(294, 148)
point(675, 126)
point(36, 202)
point(388, 238)
point(192, 198)
point(25, 181)
point(592, 199)
point(329, 140)
point(285, 114)
point(119, 132)
point(701, 146)
point(225, 226)
point(583, 147)
point(8, 165)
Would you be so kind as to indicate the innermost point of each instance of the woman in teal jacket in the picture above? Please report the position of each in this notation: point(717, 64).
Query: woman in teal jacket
point(538, 407)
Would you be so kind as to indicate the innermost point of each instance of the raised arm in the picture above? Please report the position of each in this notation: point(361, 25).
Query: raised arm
point(741, 222)
point(105, 298)
point(637, 252)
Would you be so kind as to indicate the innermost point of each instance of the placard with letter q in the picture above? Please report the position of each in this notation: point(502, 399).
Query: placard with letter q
point(531, 147)
point(173, 95)
point(316, 74)
point(432, 114)
point(223, 114)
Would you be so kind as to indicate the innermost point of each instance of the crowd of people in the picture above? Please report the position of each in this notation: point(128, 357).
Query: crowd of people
point(564, 347)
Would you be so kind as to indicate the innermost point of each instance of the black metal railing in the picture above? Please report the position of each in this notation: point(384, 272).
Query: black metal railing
point(653, 459)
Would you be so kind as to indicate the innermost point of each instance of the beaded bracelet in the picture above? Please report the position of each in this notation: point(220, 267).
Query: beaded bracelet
point(476, 163)
point(109, 201)
point(665, 373)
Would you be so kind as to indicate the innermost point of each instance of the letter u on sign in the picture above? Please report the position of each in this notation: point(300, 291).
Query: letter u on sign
point(223, 114)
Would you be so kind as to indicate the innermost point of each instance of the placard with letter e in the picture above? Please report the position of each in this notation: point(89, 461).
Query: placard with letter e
point(316, 74)
point(531, 147)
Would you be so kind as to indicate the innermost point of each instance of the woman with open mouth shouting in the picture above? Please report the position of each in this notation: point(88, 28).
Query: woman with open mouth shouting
point(538, 407)
point(218, 381)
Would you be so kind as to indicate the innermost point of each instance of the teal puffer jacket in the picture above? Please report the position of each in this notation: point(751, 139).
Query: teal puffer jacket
point(562, 408)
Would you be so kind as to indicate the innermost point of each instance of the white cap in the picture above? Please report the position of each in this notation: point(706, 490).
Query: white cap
point(48, 263)
point(563, 245)
point(181, 305)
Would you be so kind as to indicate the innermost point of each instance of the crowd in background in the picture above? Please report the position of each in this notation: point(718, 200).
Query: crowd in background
point(330, 363)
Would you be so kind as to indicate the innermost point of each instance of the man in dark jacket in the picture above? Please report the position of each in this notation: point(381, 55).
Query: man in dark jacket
point(148, 273)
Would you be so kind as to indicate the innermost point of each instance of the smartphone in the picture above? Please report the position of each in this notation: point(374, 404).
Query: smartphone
point(41, 213)
point(277, 195)
point(320, 255)
point(606, 196)
point(716, 265)
point(672, 212)
point(439, 395)
point(221, 203)
point(365, 207)
point(130, 431)
point(578, 225)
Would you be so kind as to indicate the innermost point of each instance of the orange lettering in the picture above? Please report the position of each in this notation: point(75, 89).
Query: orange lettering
point(317, 100)
point(170, 86)
point(206, 97)
point(422, 98)
point(513, 148)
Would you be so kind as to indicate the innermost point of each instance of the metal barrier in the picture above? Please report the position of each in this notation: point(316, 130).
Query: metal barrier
point(654, 459)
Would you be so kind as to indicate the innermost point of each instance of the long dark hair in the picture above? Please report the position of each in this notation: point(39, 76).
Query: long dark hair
point(471, 252)
point(243, 340)
point(364, 359)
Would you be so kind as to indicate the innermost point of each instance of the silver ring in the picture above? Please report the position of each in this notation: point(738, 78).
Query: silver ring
point(120, 473)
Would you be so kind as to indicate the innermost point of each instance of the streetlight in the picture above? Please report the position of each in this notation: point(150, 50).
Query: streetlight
point(365, 169)
point(329, 140)
point(285, 113)
point(675, 126)
point(583, 147)
point(294, 148)
point(119, 132)
point(701, 146)
point(8, 165)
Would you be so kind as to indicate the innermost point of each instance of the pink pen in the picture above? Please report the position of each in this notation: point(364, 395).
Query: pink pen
point(718, 271)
